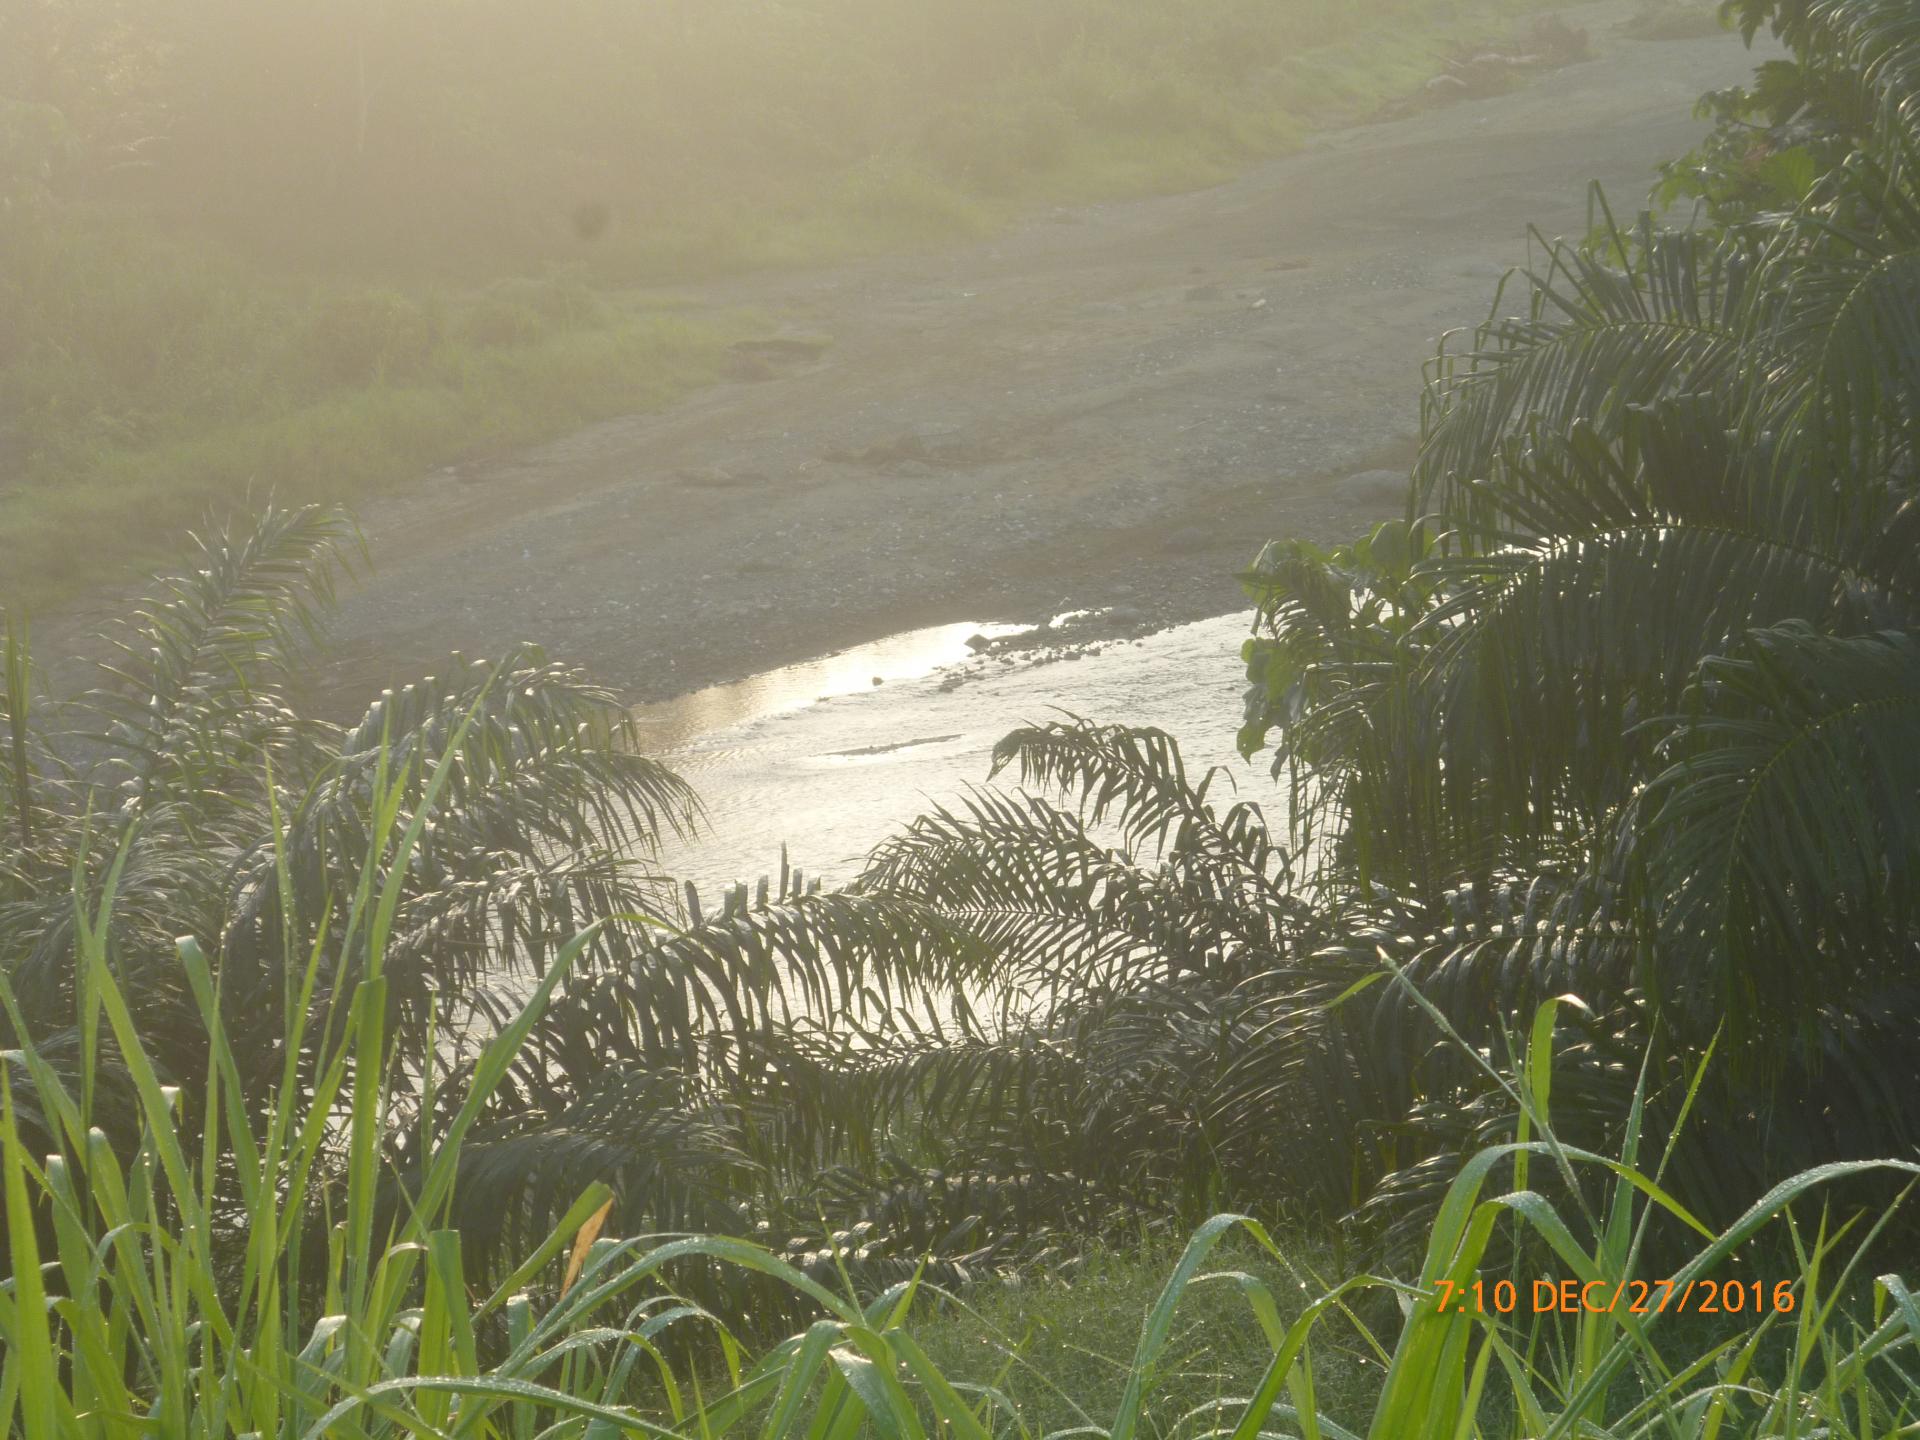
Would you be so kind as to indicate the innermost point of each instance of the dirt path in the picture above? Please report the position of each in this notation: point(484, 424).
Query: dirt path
point(1110, 406)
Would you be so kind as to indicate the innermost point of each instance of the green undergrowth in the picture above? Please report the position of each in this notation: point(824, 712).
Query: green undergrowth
point(191, 1254)
point(1059, 1344)
point(154, 366)
point(172, 1283)
point(171, 381)
point(1101, 126)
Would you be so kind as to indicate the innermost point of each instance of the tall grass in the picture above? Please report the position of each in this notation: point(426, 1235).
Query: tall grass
point(180, 1286)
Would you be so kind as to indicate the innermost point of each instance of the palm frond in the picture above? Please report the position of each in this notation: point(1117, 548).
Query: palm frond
point(1780, 844)
point(195, 692)
point(1607, 330)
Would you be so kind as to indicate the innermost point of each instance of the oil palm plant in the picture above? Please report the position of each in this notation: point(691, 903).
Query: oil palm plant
point(223, 812)
point(1625, 703)
point(1008, 1023)
point(1023, 1016)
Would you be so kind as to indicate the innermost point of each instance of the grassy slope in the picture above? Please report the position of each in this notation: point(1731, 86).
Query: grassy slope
point(156, 374)
point(187, 380)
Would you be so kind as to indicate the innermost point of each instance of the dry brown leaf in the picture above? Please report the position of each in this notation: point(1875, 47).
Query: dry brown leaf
point(583, 1242)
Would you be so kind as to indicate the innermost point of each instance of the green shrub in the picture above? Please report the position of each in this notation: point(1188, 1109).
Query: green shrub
point(371, 335)
point(495, 320)
point(999, 151)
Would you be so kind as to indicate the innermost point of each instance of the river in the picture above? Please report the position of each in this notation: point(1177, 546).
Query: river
point(821, 759)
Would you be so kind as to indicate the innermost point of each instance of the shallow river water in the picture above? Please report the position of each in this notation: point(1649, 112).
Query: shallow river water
point(818, 757)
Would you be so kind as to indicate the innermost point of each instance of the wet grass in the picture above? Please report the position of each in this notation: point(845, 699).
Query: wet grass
point(1059, 1345)
point(163, 1289)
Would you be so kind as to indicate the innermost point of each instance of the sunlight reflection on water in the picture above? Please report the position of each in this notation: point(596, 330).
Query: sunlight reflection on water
point(670, 724)
point(819, 758)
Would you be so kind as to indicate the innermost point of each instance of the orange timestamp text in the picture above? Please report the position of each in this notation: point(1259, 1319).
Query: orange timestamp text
point(1606, 1297)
